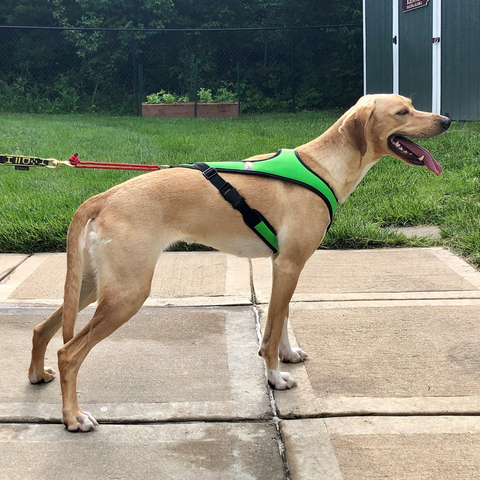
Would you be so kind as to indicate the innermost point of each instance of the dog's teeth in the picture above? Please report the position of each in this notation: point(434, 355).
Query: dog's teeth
point(421, 158)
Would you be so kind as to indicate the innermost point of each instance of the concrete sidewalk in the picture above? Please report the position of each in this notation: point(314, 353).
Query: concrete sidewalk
point(391, 388)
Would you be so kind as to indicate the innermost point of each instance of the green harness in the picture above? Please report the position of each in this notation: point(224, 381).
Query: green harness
point(284, 165)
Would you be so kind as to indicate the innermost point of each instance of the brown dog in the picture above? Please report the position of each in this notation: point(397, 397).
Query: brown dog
point(115, 238)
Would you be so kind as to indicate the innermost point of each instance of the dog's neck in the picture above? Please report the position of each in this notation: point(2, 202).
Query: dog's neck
point(343, 170)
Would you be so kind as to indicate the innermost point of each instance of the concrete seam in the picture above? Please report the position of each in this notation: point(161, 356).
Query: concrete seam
point(252, 286)
point(259, 421)
point(458, 265)
point(273, 404)
point(439, 413)
point(11, 270)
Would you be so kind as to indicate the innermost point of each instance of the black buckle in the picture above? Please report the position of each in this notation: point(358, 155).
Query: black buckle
point(209, 173)
point(240, 203)
point(225, 188)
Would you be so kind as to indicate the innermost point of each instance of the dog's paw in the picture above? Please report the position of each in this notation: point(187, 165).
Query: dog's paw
point(294, 355)
point(47, 376)
point(81, 422)
point(280, 380)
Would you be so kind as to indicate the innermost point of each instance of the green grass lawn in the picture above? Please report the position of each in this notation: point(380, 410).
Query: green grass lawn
point(36, 206)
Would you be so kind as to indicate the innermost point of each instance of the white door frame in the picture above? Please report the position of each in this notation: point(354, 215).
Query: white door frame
point(436, 56)
point(364, 48)
point(395, 45)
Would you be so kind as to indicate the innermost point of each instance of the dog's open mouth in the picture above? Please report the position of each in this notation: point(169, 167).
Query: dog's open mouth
point(413, 153)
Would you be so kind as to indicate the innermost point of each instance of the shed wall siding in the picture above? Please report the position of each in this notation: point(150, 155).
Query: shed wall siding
point(461, 59)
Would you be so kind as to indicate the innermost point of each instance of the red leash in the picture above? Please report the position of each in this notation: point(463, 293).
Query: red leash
point(77, 163)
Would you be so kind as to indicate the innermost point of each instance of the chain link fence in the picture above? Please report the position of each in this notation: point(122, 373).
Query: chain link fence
point(60, 70)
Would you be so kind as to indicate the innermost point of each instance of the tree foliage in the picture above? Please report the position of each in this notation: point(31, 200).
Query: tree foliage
point(78, 70)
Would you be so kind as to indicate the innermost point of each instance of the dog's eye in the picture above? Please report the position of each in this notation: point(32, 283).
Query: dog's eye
point(402, 112)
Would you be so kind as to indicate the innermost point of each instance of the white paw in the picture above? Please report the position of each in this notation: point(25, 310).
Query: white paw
point(293, 355)
point(280, 380)
point(47, 376)
point(83, 422)
point(89, 423)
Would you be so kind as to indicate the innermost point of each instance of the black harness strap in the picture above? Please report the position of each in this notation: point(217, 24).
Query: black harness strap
point(251, 217)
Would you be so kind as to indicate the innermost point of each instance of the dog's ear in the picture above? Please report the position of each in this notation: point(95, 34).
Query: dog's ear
point(354, 126)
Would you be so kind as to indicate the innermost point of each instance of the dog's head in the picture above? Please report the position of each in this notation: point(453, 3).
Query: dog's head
point(378, 125)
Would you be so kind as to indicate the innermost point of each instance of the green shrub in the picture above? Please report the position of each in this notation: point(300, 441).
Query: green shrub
point(224, 95)
point(169, 98)
point(164, 97)
point(205, 96)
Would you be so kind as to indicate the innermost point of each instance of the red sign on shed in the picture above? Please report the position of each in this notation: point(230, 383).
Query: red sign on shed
point(408, 5)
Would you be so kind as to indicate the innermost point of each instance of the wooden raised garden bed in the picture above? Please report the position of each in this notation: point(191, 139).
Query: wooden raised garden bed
point(177, 110)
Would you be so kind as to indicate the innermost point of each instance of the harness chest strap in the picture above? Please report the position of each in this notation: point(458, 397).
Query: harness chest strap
point(284, 165)
point(253, 218)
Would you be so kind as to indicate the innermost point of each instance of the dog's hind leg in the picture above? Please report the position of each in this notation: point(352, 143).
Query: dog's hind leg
point(44, 332)
point(114, 310)
point(122, 288)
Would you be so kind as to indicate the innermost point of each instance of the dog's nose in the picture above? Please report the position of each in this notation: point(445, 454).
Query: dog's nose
point(445, 122)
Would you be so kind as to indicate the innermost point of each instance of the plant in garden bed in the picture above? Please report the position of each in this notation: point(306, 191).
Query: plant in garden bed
point(205, 96)
point(224, 95)
point(164, 97)
point(164, 104)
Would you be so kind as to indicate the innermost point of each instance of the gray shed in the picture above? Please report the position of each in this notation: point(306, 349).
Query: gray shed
point(428, 50)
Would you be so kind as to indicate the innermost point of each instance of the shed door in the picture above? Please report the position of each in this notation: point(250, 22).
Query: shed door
point(378, 44)
point(415, 55)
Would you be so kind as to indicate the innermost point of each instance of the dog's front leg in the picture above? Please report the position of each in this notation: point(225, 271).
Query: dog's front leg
point(285, 278)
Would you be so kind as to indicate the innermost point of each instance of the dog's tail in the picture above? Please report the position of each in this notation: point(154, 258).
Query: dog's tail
point(75, 263)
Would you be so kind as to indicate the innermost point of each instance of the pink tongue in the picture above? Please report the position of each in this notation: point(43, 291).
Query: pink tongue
point(419, 151)
point(432, 164)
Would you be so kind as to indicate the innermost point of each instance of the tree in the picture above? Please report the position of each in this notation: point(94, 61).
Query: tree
point(104, 54)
